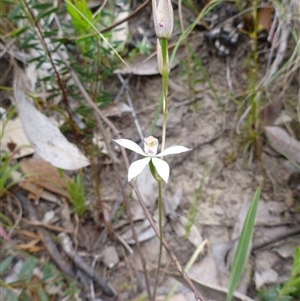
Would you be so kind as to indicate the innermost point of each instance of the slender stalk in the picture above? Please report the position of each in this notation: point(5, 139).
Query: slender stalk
point(160, 216)
point(255, 99)
point(165, 83)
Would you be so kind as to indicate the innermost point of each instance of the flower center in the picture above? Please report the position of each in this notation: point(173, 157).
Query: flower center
point(150, 146)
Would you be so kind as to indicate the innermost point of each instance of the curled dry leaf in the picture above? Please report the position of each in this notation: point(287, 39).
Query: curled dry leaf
point(14, 133)
point(46, 139)
point(283, 143)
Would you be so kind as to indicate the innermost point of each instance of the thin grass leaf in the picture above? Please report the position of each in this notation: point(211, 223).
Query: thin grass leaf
point(5, 264)
point(11, 297)
point(42, 295)
point(26, 271)
point(43, 14)
point(48, 271)
point(42, 6)
point(24, 296)
point(243, 246)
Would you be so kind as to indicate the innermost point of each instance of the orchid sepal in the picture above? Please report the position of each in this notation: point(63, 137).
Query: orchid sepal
point(137, 167)
point(129, 144)
point(173, 150)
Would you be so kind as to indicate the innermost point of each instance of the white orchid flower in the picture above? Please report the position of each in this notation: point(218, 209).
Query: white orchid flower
point(150, 154)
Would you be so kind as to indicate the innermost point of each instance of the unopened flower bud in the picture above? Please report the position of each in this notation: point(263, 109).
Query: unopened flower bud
point(163, 18)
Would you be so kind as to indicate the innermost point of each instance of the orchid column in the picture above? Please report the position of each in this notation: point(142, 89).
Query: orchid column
point(163, 24)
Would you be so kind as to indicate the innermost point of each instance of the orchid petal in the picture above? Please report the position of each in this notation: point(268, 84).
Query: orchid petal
point(162, 168)
point(130, 145)
point(137, 167)
point(173, 150)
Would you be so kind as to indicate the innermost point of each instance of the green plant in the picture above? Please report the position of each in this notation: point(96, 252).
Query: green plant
point(243, 246)
point(47, 284)
point(292, 285)
point(75, 188)
point(273, 294)
point(6, 172)
point(143, 48)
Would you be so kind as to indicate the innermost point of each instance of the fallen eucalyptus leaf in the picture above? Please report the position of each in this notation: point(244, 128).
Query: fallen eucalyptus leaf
point(46, 138)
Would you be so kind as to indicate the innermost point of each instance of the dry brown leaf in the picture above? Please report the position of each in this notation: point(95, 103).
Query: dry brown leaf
point(265, 16)
point(283, 143)
point(271, 111)
point(31, 246)
point(29, 234)
point(43, 174)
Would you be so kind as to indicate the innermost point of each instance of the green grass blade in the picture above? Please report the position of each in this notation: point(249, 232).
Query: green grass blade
point(243, 246)
point(26, 271)
point(5, 264)
point(96, 30)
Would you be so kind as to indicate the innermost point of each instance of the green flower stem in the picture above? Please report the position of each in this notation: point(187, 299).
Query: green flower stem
point(160, 216)
point(165, 84)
